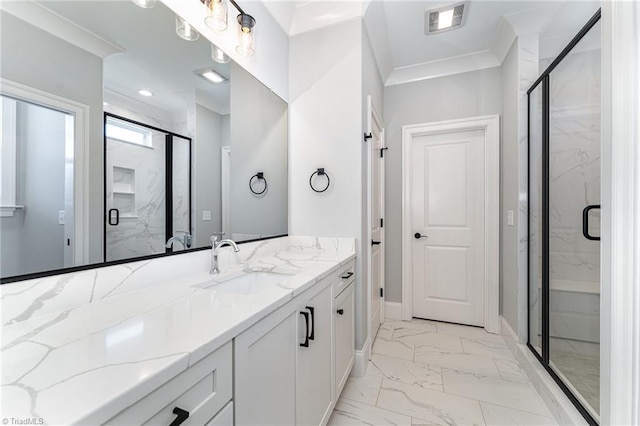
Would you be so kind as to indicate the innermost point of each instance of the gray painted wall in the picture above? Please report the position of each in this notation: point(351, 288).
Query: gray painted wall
point(206, 185)
point(259, 144)
point(32, 240)
point(470, 94)
point(34, 58)
point(509, 189)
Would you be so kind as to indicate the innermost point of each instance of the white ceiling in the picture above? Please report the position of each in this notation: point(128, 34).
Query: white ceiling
point(167, 72)
point(481, 42)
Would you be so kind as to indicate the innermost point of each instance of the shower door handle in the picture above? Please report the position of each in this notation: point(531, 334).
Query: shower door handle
point(114, 221)
point(585, 222)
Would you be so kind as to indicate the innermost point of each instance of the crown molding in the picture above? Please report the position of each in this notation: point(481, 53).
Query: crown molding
point(455, 65)
point(49, 21)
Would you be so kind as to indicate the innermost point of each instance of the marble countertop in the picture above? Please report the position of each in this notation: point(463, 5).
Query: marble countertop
point(87, 363)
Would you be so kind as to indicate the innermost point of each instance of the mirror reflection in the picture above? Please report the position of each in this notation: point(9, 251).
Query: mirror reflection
point(122, 137)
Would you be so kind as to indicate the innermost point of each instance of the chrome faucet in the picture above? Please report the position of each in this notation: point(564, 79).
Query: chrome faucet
point(185, 240)
point(215, 247)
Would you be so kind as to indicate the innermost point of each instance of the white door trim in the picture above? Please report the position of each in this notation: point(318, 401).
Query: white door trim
point(80, 156)
point(225, 179)
point(620, 250)
point(491, 126)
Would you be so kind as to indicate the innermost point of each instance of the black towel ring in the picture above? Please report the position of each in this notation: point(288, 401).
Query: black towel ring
point(319, 172)
point(258, 176)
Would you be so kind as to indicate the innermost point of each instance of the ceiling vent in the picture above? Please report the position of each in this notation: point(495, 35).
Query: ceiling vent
point(444, 19)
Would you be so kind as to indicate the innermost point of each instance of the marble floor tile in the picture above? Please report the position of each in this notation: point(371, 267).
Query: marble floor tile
point(393, 348)
point(362, 389)
point(425, 376)
point(493, 390)
point(493, 349)
point(442, 341)
point(467, 331)
point(353, 413)
point(495, 415)
point(429, 406)
point(511, 371)
point(477, 364)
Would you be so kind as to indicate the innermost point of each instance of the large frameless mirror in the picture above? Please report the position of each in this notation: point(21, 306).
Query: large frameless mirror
point(122, 139)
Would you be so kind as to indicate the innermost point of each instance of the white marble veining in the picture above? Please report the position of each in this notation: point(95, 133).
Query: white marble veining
point(80, 347)
point(489, 389)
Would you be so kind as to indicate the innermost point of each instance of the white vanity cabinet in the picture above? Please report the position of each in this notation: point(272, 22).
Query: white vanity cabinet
point(344, 336)
point(284, 364)
point(196, 396)
point(314, 381)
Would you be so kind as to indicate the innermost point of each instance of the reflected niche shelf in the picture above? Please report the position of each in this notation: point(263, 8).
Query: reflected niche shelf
point(124, 192)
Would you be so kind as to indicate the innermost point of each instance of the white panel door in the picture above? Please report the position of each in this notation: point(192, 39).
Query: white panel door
point(448, 219)
point(377, 231)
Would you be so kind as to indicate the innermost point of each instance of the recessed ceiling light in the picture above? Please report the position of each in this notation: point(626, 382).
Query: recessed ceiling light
point(213, 76)
point(445, 19)
point(145, 92)
point(105, 104)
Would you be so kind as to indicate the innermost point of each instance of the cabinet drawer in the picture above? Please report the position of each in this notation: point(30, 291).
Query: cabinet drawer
point(202, 390)
point(344, 337)
point(341, 279)
point(224, 417)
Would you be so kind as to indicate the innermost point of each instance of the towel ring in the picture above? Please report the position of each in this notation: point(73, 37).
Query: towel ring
point(319, 172)
point(258, 176)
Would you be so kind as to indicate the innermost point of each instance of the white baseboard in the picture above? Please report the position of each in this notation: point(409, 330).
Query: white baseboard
point(393, 311)
point(560, 407)
point(362, 360)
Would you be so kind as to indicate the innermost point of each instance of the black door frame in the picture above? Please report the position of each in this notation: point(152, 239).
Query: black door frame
point(169, 136)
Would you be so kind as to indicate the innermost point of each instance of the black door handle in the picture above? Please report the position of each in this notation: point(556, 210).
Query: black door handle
point(181, 416)
point(305, 344)
point(376, 243)
point(417, 236)
point(313, 323)
point(347, 275)
point(340, 311)
point(585, 222)
point(110, 217)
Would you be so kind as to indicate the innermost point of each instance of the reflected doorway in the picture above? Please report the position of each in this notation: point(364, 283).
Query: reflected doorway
point(37, 187)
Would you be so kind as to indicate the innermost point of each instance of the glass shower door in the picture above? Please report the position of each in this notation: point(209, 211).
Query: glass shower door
point(574, 199)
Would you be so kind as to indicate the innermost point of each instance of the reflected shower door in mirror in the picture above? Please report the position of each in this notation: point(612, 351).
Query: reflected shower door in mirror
point(148, 187)
point(130, 62)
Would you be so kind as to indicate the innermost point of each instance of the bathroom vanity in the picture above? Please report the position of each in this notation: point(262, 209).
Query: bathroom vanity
point(270, 340)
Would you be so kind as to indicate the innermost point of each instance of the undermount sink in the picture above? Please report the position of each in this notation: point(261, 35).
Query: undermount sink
point(246, 283)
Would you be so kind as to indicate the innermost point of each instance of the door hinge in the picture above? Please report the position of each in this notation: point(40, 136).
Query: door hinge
point(382, 150)
point(367, 136)
point(68, 241)
point(381, 292)
point(381, 223)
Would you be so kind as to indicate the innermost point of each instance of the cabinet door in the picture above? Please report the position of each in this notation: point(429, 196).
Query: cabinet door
point(344, 337)
point(265, 374)
point(314, 375)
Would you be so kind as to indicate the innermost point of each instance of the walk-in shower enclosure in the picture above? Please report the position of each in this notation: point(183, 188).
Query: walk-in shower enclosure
point(564, 218)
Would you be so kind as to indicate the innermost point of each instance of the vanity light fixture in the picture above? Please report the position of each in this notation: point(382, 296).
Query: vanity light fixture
point(185, 30)
point(213, 76)
point(217, 16)
point(444, 19)
point(145, 92)
point(216, 19)
point(146, 4)
point(245, 46)
point(218, 55)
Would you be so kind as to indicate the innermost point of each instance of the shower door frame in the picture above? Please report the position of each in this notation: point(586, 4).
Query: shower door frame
point(544, 81)
point(169, 136)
